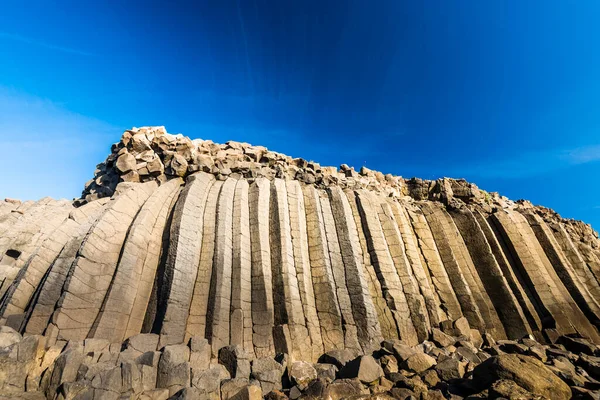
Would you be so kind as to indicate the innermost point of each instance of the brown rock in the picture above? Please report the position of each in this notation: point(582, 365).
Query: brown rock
point(419, 362)
point(442, 339)
point(510, 390)
point(302, 373)
point(365, 368)
point(125, 163)
point(268, 372)
point(527, 372)
point(344, 388)
point(450, 369)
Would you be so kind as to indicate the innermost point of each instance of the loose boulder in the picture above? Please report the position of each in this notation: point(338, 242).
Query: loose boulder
point(527, 372)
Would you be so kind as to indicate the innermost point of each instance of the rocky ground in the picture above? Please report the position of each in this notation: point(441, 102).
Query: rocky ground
point(456, 363)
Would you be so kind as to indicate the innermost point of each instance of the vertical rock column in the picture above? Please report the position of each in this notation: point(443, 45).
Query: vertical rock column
point(575, 290)
point(262, 284)
point(386, 320)
point(416, 303)
point(583, 272)
point(459, 248)
point(384, 265)
point(415, 264)
point(181, 266)
point(363, 309)
point(511, 273)
point(94, 267)
point(23, 238)
point(111, 322)
point(339, 275)
point(241, 274)
point(289, 313)
point(460, 285)
point(328, 310)
point(196, 320)
point(487, 268)
point(442, 287)
point(49, 289)
point(302, 261)
point(147, 275)
point(35, 269)
point(518, 236)
point(219, 301)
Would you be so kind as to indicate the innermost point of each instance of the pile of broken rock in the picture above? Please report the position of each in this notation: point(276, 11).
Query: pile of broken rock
point(152, 154)
point(456, 363)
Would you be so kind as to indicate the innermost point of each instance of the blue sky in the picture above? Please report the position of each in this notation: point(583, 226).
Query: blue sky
point(502, 93)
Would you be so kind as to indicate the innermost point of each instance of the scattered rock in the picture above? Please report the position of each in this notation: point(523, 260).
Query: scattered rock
point(419, 362)
point(339, 358)
point(450, 369)
point(302, 373)
point(510, 390)
point(268, 372)
point(365, 368)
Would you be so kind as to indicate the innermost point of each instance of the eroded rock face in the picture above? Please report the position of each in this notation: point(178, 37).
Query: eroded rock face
point(240, 246)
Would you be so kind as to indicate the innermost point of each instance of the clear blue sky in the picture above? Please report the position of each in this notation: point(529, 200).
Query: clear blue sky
point(503, 93)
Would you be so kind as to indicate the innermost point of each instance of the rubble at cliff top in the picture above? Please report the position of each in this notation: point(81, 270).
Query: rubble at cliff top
point(150, 153)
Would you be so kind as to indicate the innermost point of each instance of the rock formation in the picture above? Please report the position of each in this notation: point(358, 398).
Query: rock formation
point(241, 246)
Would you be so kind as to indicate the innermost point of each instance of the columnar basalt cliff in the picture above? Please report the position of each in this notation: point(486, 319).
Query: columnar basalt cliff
point(242, 246)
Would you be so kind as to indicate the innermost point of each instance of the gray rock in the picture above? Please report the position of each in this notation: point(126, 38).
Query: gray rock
point(511, 347)
point(527, 372)
point(302, 373)
point(441, 339)
point(389, 364)
point(8, 336)
point(177, 166)
point(200, 354)
point(418, 362)
point(339, 358)
point(125, 163)
point(400, 350)
point(231, 387)
point(65, 368)
point(364, 368)
point(250, 392)
point(174, 368)
point(209, 380)
point(150, 358)
point(236, 360)
point(510, 390)
point(326, 372)
point(268, 372)
point(143, 342)
point(344, 388)
point(578, 345)
point(450, 369)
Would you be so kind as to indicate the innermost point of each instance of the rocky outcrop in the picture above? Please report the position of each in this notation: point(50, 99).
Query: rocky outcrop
point(246, 247)
point(464, 367)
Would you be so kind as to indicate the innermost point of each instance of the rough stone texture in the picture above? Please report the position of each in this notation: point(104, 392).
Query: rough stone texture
point(221, 245)
point(526, 372)
point(183, 255)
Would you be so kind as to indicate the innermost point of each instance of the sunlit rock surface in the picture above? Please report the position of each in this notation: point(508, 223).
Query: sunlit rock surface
point(243, 246)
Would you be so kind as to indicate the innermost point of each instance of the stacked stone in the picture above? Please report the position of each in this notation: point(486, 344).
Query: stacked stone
point(150, 153)
point(455, 362)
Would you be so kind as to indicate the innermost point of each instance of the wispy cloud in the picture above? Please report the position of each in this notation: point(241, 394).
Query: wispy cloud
point(49, 46)
point(530, 164)
point(583, 155)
